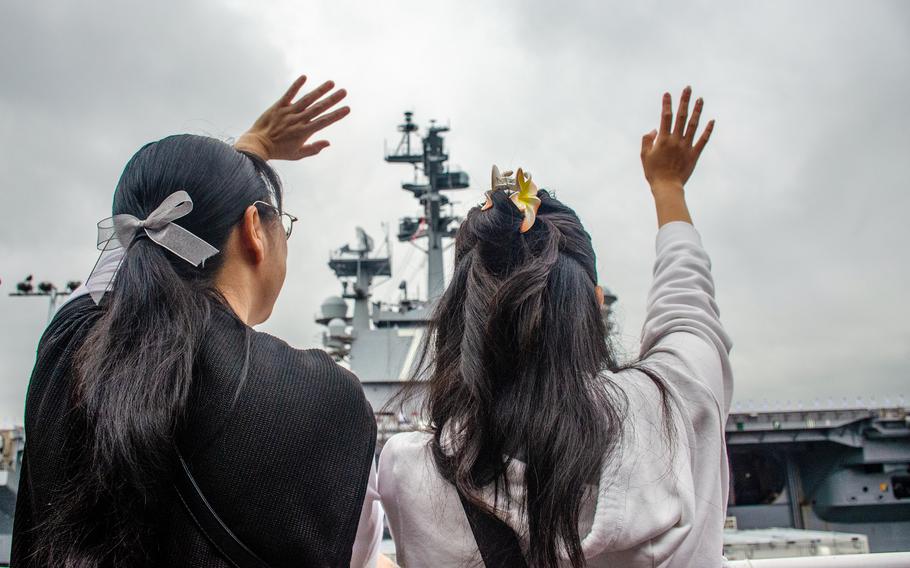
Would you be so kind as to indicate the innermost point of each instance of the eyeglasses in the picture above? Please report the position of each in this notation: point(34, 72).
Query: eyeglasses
point(287, 220)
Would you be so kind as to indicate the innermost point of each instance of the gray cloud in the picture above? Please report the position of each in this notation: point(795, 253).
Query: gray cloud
point(800, 196)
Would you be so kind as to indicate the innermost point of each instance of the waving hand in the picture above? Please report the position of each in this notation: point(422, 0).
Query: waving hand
point(283, 131)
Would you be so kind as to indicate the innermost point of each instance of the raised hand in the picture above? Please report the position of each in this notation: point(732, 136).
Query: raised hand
point(282, 132)
point(669, 156)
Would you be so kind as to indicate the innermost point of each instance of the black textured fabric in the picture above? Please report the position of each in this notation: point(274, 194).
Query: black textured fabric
point(283, 457)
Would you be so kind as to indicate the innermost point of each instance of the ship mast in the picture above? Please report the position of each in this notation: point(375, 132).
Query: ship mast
point(434, 225)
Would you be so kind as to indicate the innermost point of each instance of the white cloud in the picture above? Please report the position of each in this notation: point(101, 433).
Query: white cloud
point(800, 197)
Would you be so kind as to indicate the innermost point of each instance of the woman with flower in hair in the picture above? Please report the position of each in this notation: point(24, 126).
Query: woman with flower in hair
point(543, 449)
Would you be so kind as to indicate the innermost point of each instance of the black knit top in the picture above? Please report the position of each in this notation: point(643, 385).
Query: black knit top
point(282, 456)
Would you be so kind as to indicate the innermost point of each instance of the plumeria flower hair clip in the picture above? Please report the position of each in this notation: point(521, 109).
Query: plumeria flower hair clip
point(521, 191)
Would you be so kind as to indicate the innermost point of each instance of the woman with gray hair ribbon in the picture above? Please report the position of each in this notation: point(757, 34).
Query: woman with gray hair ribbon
point(119, 231)
point(154, 399)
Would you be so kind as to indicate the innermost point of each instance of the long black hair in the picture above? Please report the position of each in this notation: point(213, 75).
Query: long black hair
point(514, 362)
point(135, 369)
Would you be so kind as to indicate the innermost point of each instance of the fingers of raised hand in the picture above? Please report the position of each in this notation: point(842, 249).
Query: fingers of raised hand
point(311, 97)
point(666, 115)
point(325, 120)
point(705, 136)
point(693, 120)
point(289, 95)
point(647, 142)
point(308, 150)
point(323, 105)
point(682, 112)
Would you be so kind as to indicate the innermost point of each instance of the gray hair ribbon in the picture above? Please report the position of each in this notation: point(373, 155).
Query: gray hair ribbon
point(120, 231)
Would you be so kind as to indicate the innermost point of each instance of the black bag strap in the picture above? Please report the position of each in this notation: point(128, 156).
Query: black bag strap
point(208, 521)
point(497, 542)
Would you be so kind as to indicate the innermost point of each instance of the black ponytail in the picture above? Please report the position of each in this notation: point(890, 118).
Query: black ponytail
point(135, 370)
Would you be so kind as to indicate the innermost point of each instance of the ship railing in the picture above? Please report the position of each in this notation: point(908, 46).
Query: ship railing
point(878, 560)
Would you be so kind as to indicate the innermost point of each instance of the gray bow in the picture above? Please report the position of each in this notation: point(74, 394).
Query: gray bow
point(120, 230)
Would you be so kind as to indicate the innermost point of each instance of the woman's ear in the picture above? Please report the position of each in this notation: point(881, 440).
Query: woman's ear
point(600, 294)
point(252, 235)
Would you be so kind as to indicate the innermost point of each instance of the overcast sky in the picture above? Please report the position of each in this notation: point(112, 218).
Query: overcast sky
point(802, 196)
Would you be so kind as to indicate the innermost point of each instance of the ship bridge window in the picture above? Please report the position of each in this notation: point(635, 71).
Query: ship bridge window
point(759, 477)
point(900, 484)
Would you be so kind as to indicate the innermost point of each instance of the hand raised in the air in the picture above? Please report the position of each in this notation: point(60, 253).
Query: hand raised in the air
point(669, 155)
point(283, 131)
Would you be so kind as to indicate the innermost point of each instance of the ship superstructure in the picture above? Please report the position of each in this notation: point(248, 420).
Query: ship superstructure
point(381, 342)
point(823, 466)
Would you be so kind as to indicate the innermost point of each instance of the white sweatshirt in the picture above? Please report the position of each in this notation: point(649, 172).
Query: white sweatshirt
point(654, 505)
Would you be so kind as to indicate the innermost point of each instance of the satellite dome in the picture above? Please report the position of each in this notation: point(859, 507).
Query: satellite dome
point(337, 327)
point(334, 307)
